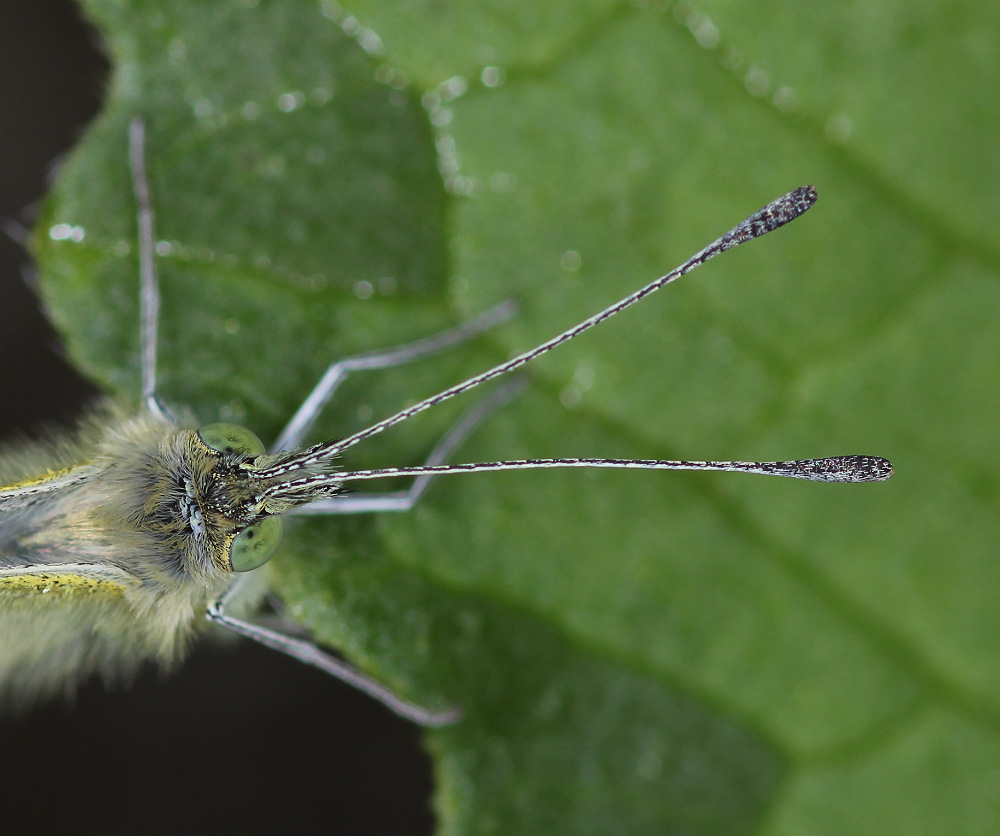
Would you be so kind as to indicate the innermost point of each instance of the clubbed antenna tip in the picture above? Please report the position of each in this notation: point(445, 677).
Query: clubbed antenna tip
point(850, 469)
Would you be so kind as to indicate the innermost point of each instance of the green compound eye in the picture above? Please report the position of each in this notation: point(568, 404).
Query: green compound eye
point(255, 544)
point(232, 438)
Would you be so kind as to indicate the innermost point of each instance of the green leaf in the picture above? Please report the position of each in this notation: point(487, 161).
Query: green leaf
point(634, 652)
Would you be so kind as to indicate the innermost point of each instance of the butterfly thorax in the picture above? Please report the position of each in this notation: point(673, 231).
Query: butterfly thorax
point(146, 496)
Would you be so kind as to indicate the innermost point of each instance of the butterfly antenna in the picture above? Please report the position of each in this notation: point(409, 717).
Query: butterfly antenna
point(832, 469)
point(776, 214)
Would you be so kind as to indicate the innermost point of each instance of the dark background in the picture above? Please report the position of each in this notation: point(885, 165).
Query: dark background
point(239, 740)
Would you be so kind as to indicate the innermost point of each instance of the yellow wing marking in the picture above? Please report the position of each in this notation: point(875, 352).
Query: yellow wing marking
point(49, 481)
point(61, 581)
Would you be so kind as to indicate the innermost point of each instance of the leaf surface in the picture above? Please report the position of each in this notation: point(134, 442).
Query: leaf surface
point(635, 652)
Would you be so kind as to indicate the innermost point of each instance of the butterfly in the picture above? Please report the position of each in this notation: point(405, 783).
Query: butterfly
point(117, 540)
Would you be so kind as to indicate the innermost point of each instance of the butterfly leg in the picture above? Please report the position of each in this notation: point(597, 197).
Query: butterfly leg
point(304, 418)
point(149, 287)
point(367, 503)
point(307, 651)
point(311, 654)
